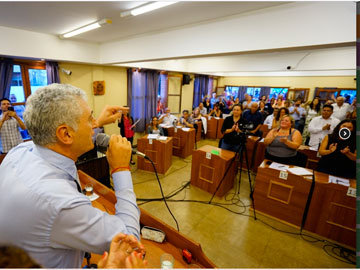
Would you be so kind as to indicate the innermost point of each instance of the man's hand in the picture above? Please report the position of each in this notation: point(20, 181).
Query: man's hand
point(119, 152)
point(125, 251)
point(326, 127)
point(110, 114)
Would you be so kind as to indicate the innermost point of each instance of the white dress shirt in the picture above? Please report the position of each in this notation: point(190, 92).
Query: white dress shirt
point(269, 120)
point(295, 115)
point(43, 212)
point(340, 112)
point(168, 120)
point(317, 134)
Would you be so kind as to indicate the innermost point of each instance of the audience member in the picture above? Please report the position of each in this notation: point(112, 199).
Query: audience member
point(186, 120)
point(125, 123)
point(270, 121)
point(231, 130)
point(167, 118)
point(216, 112)
point(254, 117)
point(54, 222)
point(282, 111)
point(298, 113)
point(159, 106)
point(279, 103)
point(341, 109)
point(202, 109)
point(207, 104)
point(269, 106)
point(262, 110)
point(154, 128)
point(213, 100)
point(283, 142)
point(246, 104)
point(338, 155)
point(10, 123)
point(313, 110)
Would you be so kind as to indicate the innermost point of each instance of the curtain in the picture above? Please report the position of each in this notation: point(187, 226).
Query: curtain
point(6, 72)
point(241, 93)
point(143, 87)
point(164, 89)
point(52, 70)
point(201, 86)
point(265, 91)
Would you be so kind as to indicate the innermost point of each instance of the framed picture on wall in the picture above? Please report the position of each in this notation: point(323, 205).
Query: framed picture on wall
point(99, 88)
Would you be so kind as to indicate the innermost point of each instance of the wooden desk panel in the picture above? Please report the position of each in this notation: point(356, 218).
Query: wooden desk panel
point(160, 152)
point(211, 128)
point(282, 199)
point(220, 123)
point(184, 141)
point(265, 130)
point(251, 145)
point(332, 213)
point(198, 131)
point(97, 168)
point(207, 173)
point(174, 239)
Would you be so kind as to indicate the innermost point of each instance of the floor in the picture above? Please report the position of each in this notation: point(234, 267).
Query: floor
point(227, 232)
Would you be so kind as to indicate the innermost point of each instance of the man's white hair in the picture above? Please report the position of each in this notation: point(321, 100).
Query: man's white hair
point(49, 107)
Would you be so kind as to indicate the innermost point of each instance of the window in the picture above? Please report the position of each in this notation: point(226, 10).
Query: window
point(26, 79)
point(174, 93)
point(254, 92)
point(276, 91)
point(349, 95)
point(232, 91)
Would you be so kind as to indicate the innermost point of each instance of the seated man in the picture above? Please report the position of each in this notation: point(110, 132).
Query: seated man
point(320, 126)
point(54, 222)
point(186, 120)
point(254, 116)
point(167, 118)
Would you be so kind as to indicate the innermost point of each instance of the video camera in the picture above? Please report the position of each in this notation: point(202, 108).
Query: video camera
point(245, 126)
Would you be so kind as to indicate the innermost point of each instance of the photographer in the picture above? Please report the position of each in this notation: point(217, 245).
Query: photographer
point(9, 126)
point(231, 130)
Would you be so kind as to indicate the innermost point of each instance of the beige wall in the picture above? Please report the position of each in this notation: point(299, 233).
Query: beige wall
point(292, 82)
point(115, 86)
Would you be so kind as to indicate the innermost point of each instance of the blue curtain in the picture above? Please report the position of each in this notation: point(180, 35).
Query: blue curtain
point(6, 72)
point(201, 86)
point(142, 94)
point(52, 70)
point(241, 93)
point(265, 91)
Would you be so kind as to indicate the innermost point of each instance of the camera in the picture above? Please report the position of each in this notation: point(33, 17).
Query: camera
point(67, 72)
point(244, 126)
point(11, 109)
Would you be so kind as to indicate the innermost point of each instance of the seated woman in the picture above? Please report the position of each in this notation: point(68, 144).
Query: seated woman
point(216, 112)
point(283, 142)
point(338, 155)
point(154, 128)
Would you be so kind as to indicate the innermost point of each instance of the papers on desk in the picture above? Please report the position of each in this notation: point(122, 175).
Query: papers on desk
point(165, 126)
point(186, 129)
point(278, 166)
point(179, 126)
point(162, 138)
point(299, 171)
point(338, 180)
point(153, 136)
point(262, 140)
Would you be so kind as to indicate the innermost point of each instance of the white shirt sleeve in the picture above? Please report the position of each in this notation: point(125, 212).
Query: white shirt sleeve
point(89, 229)
point(315, 126)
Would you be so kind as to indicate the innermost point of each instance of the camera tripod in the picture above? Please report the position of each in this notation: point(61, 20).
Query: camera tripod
point(241, 152)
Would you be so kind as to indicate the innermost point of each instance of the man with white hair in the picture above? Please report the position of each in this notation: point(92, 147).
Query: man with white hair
point(43, 210)
point(341, 109)
point(168, 119)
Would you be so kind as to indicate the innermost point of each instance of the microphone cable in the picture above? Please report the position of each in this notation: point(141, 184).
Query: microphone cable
point(162, 193)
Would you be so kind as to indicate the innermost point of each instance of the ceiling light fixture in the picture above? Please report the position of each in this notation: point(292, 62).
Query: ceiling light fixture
point(86, 28)
point(146, 8)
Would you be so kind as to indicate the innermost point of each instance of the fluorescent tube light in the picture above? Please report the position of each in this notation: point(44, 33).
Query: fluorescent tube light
point(146, 8)
point(86, 28)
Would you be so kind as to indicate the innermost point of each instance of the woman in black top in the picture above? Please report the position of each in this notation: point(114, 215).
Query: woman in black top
point(338, 155)
point(231, 131)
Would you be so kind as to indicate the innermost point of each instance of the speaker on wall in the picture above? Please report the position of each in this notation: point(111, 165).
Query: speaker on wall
point(186, 79)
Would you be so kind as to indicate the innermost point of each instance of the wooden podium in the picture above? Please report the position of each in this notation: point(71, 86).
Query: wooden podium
point(206, 173)
point(183, 141)
point(332, 212)
point(284, 199)
point(174, 239)
point(160, 152)
point(214, 126)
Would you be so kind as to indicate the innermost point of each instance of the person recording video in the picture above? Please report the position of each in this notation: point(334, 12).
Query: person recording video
point(231, 130)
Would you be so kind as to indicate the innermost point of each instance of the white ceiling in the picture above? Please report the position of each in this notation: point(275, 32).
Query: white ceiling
point(233, 38)
point(60, 17)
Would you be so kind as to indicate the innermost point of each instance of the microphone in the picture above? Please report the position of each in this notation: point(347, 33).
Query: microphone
point(103, 139)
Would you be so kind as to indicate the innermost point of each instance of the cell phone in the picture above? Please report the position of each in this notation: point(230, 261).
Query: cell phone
point(11, 109)
point(268, 162)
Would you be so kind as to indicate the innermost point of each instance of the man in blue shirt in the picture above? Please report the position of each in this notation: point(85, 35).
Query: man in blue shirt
point(213, 100)
point(298, 113)
point(42, 210)
point(254, 116)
